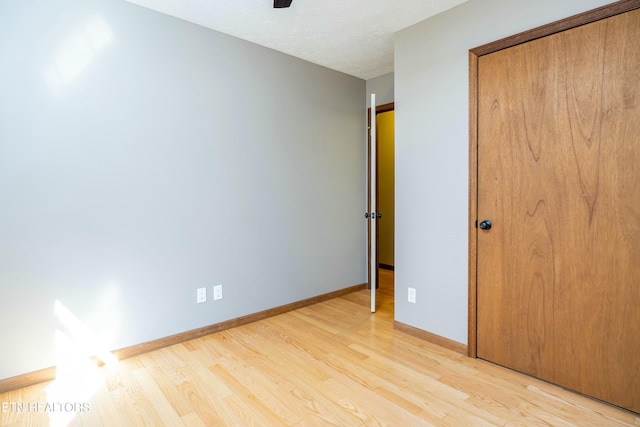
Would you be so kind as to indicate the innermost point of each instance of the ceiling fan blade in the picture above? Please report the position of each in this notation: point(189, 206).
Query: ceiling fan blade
point(281, 3)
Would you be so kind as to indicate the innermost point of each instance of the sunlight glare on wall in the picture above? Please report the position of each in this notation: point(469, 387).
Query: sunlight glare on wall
point(77, 52)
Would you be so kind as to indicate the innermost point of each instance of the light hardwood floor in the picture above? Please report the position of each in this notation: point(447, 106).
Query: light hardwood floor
point(332, 363)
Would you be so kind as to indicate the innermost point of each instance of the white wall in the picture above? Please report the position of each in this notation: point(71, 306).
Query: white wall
point(383, 88)
point(432, 162)
point(173, 157)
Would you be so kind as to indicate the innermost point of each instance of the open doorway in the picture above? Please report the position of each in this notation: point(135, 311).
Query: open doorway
point(386, 189)
point(385, 193)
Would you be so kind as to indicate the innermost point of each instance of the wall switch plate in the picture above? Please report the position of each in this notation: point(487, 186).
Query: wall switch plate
point(411, 295)
point(217, 292)
point(201, 295)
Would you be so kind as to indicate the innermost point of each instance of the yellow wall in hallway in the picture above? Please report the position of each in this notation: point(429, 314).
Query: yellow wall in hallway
point(386, 184)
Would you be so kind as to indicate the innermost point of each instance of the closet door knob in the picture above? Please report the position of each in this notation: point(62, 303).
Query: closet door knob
point(485, 225)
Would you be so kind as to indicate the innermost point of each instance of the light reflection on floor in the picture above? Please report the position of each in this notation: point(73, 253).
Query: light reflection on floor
point(78, 356)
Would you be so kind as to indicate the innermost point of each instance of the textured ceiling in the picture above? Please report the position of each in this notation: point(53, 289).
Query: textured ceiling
point(351, 36)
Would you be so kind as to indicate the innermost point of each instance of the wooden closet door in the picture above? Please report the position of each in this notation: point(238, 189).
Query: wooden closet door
point(558, 273)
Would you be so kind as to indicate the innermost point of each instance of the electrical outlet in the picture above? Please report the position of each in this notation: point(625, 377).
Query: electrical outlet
point(217, 292)
point(201, 295)
point(411, 295)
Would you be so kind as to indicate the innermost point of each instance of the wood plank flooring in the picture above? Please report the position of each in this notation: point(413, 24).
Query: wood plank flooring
point(332, 363)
